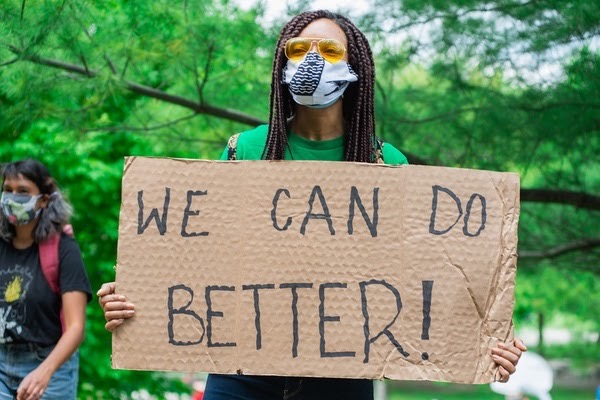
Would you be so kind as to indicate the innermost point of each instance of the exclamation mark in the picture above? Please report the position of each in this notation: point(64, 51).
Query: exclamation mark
point(427, 289)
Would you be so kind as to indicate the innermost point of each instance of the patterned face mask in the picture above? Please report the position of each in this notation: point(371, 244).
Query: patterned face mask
point(19, 209)
point(317, 83)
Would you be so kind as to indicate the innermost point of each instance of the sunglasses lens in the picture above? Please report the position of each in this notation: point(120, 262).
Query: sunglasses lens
point(296, 48)
point(331, 50)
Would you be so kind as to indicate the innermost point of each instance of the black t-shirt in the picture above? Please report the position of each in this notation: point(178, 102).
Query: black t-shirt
point(29, 309)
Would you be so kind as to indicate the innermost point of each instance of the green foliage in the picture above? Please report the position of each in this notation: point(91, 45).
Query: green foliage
point(473, 96)
point(583, 355)
point(474, 392)
point(81, 128)
point(457, 85)
point(548, 290)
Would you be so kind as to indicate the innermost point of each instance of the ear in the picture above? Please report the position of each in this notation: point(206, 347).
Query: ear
point(43, 201)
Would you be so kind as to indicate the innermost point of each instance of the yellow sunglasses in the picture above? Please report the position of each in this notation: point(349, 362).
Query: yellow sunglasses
point(331, 50)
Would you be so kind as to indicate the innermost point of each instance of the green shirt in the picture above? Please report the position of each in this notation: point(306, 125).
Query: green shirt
point(250, 146)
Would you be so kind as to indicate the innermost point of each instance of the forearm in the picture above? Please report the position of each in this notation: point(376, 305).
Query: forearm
point(64, 349)
point(73, 306)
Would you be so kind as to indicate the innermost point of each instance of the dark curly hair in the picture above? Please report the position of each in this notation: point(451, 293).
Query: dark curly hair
point(358, 99)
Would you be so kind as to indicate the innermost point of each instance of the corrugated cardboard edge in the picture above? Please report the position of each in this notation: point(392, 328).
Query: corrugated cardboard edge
point(127, 164)
point(504, 279)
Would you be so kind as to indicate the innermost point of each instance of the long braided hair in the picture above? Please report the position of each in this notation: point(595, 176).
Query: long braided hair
point(358, 101)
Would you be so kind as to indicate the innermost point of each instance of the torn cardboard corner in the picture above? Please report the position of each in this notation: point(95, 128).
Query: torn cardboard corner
point(316, 269)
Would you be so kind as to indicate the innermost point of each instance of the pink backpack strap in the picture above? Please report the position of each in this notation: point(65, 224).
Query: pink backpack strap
point(49, 260)
point(48, 250)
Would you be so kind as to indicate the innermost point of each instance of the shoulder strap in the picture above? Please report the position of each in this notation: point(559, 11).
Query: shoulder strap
point(232, 147)
point(48, 250)
point(379, 150)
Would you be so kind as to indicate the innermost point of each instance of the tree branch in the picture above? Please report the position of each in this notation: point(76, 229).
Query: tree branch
point(140, 128)
point(82, 58)
point(205, 108)
point(14, 60)
point(501, 8)
point(52, 63)
point(200, 85)
point(521, 107)
point(22, 10)
point(553, 252)
point(148, 91)
point(110, 64)
point(577, 199)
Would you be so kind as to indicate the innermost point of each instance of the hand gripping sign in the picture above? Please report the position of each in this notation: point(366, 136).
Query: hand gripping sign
point(316, 268)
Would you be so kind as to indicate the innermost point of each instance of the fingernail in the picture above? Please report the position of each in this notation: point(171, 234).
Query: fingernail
point(131, 306)
point(501, 345)
point(130, 312)
point(121, 298)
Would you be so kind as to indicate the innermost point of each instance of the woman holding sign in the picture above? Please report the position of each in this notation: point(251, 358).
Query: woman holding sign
point(322, 99)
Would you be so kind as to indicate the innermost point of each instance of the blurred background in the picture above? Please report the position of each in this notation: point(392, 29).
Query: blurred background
point(510, 85)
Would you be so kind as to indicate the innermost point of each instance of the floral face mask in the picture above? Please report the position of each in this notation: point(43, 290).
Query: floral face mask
point(19, 209)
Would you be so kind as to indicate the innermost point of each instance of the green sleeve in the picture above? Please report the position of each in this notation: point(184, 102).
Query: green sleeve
point(393, 156)
point(249, 145)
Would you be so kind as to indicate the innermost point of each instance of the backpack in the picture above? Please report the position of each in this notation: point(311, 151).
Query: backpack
point(232, 149)
point(48, 250)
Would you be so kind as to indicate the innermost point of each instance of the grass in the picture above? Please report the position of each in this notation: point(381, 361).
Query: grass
point(443, 391)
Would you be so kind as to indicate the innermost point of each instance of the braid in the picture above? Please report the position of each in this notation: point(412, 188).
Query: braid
point(359, 100)
point(281, 104)
point(358, 103)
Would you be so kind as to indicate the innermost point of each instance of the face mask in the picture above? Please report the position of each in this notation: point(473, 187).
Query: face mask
point(19, 209)
point(317, 83)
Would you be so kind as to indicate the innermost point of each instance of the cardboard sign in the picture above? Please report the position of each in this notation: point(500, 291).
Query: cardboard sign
point(316, 268)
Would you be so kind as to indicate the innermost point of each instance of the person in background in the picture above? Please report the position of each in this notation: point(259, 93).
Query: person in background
point(321, 109)
point(38, 351)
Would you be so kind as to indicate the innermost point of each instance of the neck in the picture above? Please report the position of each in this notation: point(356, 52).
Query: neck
point(319, 123)
point(24, 236)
